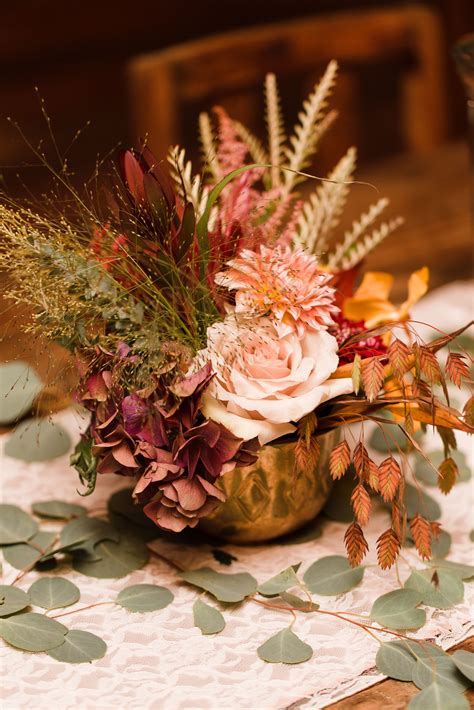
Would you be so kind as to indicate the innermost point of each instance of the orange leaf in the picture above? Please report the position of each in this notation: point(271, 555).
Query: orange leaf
point(389, 478)
point(361, 461)
point(421, 532)
point(372, 377)
point(457, 369)
point(306, 456)
point(339, 460)
point(361, 503)
point(356, 544)
point(448, 472)
point(374, 476)
point(399, 357)
point(428, 364)
point(468, 412)
point(388, 547)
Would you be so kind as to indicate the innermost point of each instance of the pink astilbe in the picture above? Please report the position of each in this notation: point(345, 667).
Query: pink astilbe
point(284, 285)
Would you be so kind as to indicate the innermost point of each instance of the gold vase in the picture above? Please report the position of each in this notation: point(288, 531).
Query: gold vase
point(271, 497)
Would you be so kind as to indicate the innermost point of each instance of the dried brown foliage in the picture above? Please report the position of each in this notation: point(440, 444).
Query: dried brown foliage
point(361, 504)
point(339, 460)
point(447, 475)
point(422, 535)
point(372, 377)
point(390, 475)
point(356, 544)
point(388, 547)
point(399, 357)
point(457, 369)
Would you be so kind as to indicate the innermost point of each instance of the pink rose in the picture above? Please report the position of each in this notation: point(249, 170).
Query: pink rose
point(262, 382)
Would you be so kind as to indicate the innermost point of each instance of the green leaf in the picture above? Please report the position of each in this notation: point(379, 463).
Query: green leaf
point(53, 592)
point(84, 529)
point(19, 387)
point(32, 632)
point(224, 587)
point(395, 660)
point(436, 697)
point(417, 501)
point(37, 440)
point(442, 545)
point(301, 604)
point(25, 554)
point(79, 647)
point(439, 588)
point(207, 618)
point(12, 600)
point(285, 647)
point(128, 517)
point(144, 597)
point(332, 575)
point(429, 475)
point(58, 509)
point(396, 610)
point(464, 661)
point(280, 582)
point(15, 525)
point(116, 559)
point(463, 571)
point(439, 668)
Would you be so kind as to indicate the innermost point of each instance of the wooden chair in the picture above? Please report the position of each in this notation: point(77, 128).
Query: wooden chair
point(391, 90)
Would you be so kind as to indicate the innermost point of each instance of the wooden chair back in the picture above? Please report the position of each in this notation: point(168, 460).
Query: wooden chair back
point(390, 92)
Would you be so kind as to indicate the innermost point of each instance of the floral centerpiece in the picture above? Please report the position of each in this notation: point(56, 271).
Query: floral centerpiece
point(218, 314)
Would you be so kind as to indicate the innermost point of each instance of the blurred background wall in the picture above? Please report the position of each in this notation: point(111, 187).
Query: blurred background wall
point(77, 55)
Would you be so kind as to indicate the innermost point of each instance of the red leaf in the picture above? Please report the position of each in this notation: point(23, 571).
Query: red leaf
point(421, 532)
point(339, 460)
point(361, 503)
point(356, 544)
point(390, 475)
point(372, 377)
point(388, 547)
point(457, 369)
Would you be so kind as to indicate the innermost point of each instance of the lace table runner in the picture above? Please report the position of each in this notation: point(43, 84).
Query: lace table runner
point(159, 661)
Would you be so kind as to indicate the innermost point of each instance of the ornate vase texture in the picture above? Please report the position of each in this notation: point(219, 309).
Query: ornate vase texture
point(272, 497)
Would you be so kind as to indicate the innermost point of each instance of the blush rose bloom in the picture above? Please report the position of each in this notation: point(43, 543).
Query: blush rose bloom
point(263, 383)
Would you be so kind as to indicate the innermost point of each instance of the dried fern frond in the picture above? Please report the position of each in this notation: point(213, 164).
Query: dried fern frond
point(358, 230)
point(363, 247)
point(255, 148)
point(304, 140)
point(275, 128)
point(208, 143)
point(321, 213)
point(189, 186)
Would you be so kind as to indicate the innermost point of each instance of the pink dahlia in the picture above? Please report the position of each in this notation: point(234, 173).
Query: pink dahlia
point(284, 285)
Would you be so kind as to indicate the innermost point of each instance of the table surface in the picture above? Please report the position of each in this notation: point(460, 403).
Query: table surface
point(432, 194)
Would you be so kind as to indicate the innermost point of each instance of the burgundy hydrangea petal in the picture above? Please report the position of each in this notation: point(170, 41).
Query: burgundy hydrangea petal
point(124, 456)
point(212, 490)
point(187, 386)
point(191, 495)
point(166, 519)
point(134, 411)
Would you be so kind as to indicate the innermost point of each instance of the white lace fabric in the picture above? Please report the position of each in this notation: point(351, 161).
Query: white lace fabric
point(160, 661)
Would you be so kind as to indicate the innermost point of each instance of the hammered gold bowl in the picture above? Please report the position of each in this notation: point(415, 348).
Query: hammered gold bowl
point(271, 498)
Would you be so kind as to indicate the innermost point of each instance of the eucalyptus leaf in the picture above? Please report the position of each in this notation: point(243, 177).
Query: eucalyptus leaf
point(224, 587)
point(436, 697)
point(208, 619)
point(37, 440)
point(285, 647)
point(397, 610)
point(32, 632)
point(441, 669)
point(12, 600)
point(463, 571)
point(15, 525)
point(80, 530)
point(442, 545)
point(54, 592)
point(116, 559)
point(390, 438)
point(332, 575)
point(144, 597)
point(19, 387)
point(297, 603)
point(464, 661)
point(122, 503)
point(395, 660)
point(417, 501)
point(79, 647)
point(25, 554)
point(280, 582)
point(439, 588)
point(58, 509)
point(429, 474)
